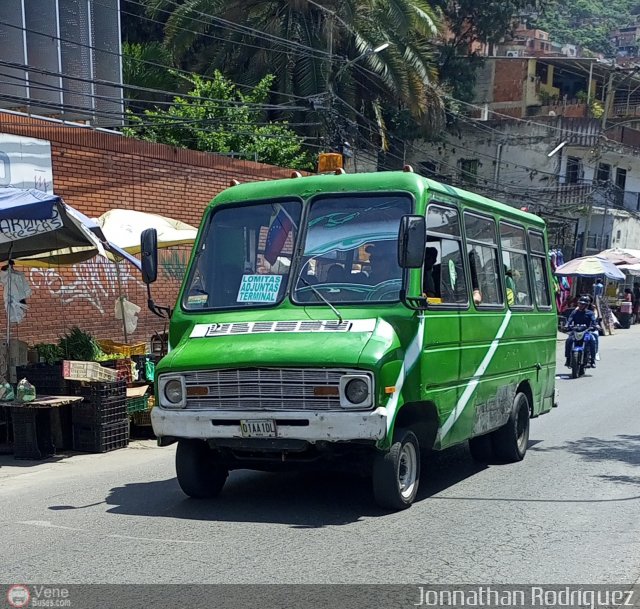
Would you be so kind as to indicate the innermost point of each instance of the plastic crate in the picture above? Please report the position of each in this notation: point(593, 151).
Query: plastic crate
point(111, 347)
point(87, 371)
point(46, 378)
point(139, 404)
point(101, 438)
point(96, 392)
point(142, 418)
point(105, 412)
point(32, 433)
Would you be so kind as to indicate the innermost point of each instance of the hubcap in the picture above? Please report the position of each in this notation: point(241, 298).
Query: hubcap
point(408, 470)
point(521, 426)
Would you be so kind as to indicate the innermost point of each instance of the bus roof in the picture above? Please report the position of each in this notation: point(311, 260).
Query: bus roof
point(364, 182)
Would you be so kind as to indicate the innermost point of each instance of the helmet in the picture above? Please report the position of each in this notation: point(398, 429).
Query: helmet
point(584, 300)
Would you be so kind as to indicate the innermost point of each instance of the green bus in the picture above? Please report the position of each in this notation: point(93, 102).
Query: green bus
point(358, 321)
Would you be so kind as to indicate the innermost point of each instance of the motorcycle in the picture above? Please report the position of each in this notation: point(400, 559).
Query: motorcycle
point(581, 349)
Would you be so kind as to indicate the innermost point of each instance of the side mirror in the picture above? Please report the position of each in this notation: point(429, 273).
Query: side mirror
point(149, 255)
point(412, 239)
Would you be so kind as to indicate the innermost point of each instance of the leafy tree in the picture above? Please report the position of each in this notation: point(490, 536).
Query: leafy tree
point(148, 65)
point(215, 116)
point(490, 21)
point(588, 23)
point(308, 46)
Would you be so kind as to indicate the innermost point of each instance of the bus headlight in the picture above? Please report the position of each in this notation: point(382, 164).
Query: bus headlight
point(356, 391)
point(172, 392)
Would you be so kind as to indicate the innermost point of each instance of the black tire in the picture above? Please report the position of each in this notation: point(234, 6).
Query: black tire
point(575, 365)
point(396, 473)
point(481, 448)
point(201, 473)
point(510, 441)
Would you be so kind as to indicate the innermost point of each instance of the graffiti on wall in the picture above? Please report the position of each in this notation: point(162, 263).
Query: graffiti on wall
point(94, 281)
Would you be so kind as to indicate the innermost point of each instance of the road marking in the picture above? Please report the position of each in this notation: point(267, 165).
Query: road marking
point(46, 524)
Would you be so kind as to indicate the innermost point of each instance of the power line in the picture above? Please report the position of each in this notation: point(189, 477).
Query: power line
point(235, 28)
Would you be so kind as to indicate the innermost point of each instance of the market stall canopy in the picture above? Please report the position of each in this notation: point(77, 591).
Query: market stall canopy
point(621, 256)
point(33, 222)
point(121, 228)
point(627, 260)
point(590, 266)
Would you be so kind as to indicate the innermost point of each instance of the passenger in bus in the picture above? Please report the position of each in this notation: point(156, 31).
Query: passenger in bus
point(429, 284)
point(229, 284)
point(383, 258)
point(475, 283)
point(335, 274)
point(511, 286)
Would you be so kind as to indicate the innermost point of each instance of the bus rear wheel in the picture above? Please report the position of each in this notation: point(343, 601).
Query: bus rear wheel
point(201, 473)
point(396, 473)
point(511, 440)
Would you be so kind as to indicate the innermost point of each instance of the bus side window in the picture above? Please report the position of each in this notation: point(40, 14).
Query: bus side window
point(448, 274)
point(516, 267)
point(482, 248)
point(539, 270)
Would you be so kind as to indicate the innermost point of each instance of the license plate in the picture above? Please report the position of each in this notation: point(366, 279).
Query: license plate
point(258, 428)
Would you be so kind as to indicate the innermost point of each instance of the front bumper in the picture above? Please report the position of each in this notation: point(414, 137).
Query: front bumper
point(299, 425)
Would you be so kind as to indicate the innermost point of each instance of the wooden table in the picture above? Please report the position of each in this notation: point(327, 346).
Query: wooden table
point(36, 431)
point(46, 401)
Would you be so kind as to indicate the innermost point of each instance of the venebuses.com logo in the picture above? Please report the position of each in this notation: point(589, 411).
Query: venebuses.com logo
point(18, 596)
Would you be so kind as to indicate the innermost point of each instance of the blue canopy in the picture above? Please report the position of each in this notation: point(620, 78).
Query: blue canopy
point(33, 222)
point(18, 204)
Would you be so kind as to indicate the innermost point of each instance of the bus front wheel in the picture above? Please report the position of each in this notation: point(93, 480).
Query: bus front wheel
point(201, 473)
point(396, 473)
point(511, 440)
point(481, 448)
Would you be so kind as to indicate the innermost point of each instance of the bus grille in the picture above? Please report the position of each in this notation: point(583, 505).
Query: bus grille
point(266, 389)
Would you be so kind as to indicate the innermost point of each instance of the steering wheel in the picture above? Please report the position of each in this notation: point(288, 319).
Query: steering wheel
point(390, 287)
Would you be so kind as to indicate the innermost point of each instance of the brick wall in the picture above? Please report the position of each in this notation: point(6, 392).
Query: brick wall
point(509, 78)
point(94, 172)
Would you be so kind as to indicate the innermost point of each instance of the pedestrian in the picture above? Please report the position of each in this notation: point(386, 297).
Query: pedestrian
point(598, 288)
point(636, 302)
point(626, 309)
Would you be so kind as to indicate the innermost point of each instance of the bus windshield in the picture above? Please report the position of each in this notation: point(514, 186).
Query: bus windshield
point(245, 256)
point(350, 250)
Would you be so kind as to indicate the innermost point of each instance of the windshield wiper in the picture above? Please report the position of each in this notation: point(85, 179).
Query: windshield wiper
point(321, 297)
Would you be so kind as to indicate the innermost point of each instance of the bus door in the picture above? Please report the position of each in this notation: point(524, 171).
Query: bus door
point(484, 360)
point(444, 284)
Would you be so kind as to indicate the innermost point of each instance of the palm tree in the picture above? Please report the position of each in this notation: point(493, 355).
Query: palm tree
point(147, 67)
point(319, 51)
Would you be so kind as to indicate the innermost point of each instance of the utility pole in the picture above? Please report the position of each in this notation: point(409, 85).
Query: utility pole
point(587, 226)
point(608, 101)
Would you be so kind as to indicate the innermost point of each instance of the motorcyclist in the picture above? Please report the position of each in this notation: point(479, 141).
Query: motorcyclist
point(581, 316)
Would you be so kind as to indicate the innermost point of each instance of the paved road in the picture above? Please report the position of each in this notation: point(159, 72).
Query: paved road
point(569, 513)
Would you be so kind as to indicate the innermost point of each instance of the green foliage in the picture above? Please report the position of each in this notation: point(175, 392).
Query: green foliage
point(588, 22)
point(488, 21)
point(217, 117)
point(404, 74)
point(148, 65)
point(78, 345)
point(596, 108)
point(49, 353)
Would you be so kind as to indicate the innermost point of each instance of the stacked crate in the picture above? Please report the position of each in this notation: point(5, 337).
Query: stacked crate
point(101, 421)
point(34, 427)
